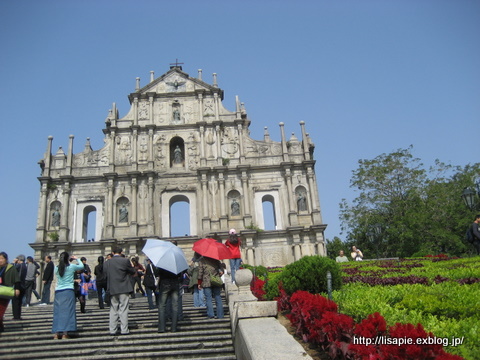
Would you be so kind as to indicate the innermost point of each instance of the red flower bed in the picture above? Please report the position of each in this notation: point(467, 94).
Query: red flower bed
point(316, 320)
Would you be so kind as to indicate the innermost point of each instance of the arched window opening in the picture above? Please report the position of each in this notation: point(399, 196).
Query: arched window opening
point(179, 216)
point(89, 223)
point(177, 152)
point(268, 208)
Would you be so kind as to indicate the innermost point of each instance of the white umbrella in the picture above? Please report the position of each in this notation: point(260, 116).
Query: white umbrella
point(165, 255)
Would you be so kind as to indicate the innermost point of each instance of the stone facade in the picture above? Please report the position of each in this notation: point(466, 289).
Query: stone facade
point(179, 144)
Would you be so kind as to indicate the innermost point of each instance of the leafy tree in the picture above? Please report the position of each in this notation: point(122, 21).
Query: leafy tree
point(334, 246)
point(403, 209)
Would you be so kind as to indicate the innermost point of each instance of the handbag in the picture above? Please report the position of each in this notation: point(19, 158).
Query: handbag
point(7, 292)
point(216, 280)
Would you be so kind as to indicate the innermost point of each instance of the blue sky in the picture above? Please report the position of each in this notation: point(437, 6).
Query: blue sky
point(367, 77)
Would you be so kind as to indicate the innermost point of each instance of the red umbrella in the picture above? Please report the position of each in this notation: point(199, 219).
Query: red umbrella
point(211, 248)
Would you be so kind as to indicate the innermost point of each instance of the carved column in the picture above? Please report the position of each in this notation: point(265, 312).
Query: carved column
point(150, 148)
point(151, 206)
point(217, 112)
point(133, 220)
point(42, 213)
point(223, 210)
point(135, 111)
point(292, 213)
point(64, 226)
point(48, 157)
point(110, 207)
point(219, 145)
point(135, 148)
point(203, 160)
point(111, 160)
point(284, 142)
point(70, 155)
point(241, 141)
point(150, 107)
point(205, 217)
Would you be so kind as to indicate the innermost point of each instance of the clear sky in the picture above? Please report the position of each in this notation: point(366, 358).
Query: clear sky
point(367, 77)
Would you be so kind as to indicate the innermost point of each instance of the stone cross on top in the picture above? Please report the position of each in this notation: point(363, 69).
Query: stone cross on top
point(176, 64)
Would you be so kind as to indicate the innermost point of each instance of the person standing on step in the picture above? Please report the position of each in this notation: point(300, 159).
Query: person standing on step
point(168, 289)
point(233, 243)
point(208, 268)
point(198, 294)
point(30, 278)
point(101, 281)
point(47, 280)
point(64, 315)
point(150, 281)
point(21, 267)
point(119, 271)
point(137, 277)
point(8, 277)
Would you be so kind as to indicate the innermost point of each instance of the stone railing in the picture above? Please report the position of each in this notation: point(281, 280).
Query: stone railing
point(256, 331)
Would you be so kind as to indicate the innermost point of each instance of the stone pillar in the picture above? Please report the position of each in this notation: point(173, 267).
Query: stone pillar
point(284, 142)
point(213, 191)
point(48, 157)
point(292, 213)
point(297, 245)
point(64, 226)
point(314, 197)
point(110, 208)
point(135, 111)
point(219, 145)
point(70, 155)
point(135, 148)
point(133, 220)
point(150, 148)
point(306, 152)
point(241, 141)
point(221, 185)
point(217, 112)
point(42, 212)
point(150, 107)
point(246, 194)
point(151, 205)
point(111, 160)
point(203, 160)
point(205, 217)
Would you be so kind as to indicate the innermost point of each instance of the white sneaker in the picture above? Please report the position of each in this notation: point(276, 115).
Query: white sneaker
point(42, 304)
point(28, 305)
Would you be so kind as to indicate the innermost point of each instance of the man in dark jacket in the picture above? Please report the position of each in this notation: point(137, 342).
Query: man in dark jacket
point(21, 267)
point(476, 233)
point(119, 271)
point(47, 280)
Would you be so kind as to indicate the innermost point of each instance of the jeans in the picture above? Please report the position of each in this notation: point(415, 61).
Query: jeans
point(46, 292)
point(198, 297)
point(150, 292)
point(216, 292)
point(165, 293)
point(234, 266)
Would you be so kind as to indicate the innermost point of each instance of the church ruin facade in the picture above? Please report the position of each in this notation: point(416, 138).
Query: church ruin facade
point(178, 143)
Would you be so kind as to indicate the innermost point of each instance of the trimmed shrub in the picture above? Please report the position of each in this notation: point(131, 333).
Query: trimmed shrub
point(308, 274)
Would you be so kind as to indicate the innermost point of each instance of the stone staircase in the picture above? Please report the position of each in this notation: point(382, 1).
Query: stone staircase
point(197, 336)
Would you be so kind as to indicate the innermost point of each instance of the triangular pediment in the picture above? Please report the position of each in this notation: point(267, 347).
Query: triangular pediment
point(175, 81)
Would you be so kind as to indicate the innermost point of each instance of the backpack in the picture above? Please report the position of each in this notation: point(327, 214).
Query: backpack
point(469, 235)
point(233, 239)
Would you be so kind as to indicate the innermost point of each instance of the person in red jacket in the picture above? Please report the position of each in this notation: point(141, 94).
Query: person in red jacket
point(233, 243)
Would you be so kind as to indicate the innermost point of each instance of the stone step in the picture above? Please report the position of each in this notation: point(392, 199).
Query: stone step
point(197, 337)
